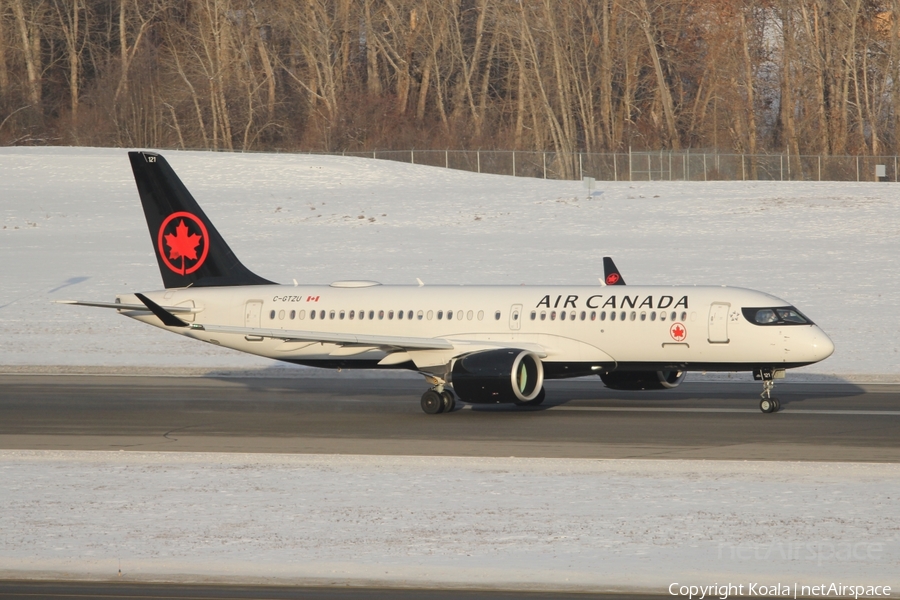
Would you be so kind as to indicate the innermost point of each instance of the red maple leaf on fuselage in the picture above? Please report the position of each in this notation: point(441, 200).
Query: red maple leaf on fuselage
point(183, 245)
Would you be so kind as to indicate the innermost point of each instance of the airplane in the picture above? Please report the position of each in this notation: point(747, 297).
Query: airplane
point(480, 344)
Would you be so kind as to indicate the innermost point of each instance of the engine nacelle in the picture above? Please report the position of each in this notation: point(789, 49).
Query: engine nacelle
point(642, 380)
point(505, 375)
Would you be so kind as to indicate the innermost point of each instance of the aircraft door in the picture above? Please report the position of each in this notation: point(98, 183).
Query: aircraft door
point(252, 313)
point(515, 317)
point(718, 323)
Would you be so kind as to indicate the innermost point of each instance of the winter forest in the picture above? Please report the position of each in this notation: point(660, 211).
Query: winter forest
point(750, 76)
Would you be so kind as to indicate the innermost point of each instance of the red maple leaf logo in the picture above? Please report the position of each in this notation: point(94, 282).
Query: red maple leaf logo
point(612, 278)
point(182, 245)
point(678, 332)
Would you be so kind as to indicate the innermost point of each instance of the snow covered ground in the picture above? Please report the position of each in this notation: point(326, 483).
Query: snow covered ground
point(483, 522)
point(71, 227)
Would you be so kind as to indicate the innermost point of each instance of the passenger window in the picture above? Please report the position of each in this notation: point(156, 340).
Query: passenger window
point(593, 315)
point(515, 315)
point(459, 315)
point(419, 315)
point(612, 315)
point(380, 314)
point(449, 314)
point(470, 315)
point(429, 314)
point(281, 315)
point(352, 314)
point(552, 315)
point(341, 315)
point(399, 314)
point(272, 315)
point(480, 315)
point(409, 315)
point(533, 315)
point(603, 315)
point(330, 315)
point(497, 316)
point(371, 314)
point(662, 316)
point(684, 316)
point(390, 314)
point(440, 315)
point(674, 315)
point(543, 315)
point(653, 316)
point(643, 316)
point(622, 315)
point(302, 315)
point(633, 315)
point(562, 315)
point(362, 315)
point(583, 315)
point(572, 315)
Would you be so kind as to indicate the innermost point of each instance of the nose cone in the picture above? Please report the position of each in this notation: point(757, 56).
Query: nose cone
point(821, 346)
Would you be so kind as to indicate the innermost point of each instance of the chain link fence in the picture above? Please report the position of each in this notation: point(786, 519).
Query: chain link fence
point(650, 166)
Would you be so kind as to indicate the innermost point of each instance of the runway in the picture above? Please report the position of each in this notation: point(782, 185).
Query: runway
point(351, 415)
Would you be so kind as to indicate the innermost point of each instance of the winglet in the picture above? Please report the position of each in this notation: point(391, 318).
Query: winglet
point(611, 274)
point(165, 316)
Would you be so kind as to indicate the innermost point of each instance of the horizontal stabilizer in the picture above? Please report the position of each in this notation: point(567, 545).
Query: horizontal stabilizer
point(121, 306)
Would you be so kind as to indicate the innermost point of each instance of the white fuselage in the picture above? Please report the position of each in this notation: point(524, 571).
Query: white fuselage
point(653, 327)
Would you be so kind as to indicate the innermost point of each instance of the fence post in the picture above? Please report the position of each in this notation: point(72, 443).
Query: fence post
point(544, 154)
point(580, 167)
point(820, 167)
point(743, 169)
point(615, 167)
point(446, 158)
point(857, 168)
point(781, 160)
point(373, 154)
point(630, 178)
point(478, 159)
point(895, 169)
point(686, 171)
point(704, 166)
point(412, 157)
point(670, 165)
point(514, 163)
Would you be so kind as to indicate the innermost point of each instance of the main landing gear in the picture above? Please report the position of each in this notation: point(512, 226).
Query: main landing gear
point(438, 399)
point(767, 403)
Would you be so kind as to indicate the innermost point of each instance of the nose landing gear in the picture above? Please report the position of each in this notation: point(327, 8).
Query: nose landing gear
point(767, 403)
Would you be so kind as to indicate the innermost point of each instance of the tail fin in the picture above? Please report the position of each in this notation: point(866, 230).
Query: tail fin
point(188, 248)
point(611, 273)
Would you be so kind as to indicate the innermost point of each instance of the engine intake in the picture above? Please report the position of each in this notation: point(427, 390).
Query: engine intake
point(505, 375)
point(642, 380)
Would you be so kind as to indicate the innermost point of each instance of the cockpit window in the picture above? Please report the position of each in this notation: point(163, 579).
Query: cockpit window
point(780, 315)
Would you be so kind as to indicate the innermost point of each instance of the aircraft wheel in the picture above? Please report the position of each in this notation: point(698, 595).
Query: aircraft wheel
point(449, 401)
point(536, 402)
point(777, 404)
point(432, 403)
point(767, 405)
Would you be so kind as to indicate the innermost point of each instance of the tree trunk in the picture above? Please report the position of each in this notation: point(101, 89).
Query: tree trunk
point(28, 46)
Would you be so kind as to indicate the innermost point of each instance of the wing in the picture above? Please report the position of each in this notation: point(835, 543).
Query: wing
point(344, 339)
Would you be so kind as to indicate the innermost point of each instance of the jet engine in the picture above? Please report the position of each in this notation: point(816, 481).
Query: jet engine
point(642, 380)
point(505, 375)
